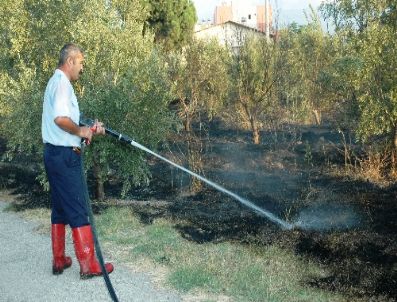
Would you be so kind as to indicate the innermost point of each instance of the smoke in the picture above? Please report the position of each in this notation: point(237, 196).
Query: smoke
point(327, 217)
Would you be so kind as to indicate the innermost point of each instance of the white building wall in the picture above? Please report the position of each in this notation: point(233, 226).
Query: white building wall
point(228, 34)
point(244, 13)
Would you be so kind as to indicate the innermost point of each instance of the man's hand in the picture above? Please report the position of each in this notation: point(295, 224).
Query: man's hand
point(86, 132)
point(98, 128)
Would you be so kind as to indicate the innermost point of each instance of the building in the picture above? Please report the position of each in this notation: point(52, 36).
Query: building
point(230, 34)
point(255, 16)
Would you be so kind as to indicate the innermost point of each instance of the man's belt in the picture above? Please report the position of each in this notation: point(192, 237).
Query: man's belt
point(76, 150)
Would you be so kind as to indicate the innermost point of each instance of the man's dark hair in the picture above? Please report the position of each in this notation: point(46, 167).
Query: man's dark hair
point(68, 50)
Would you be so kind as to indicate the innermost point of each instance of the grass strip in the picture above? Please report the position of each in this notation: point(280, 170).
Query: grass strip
point(243, 272)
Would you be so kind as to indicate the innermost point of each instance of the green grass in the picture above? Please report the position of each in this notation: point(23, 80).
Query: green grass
point(186, 278)
point(246, 273)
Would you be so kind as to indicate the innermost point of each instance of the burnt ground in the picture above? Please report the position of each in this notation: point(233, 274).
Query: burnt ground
point(344, 222)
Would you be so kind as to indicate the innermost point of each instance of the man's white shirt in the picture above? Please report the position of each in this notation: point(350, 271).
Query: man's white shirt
point(59, 101)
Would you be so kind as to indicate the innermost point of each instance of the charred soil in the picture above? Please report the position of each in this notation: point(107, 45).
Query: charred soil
point(345, 223)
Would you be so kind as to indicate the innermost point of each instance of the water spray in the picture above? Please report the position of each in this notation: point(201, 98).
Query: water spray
point(121, 137)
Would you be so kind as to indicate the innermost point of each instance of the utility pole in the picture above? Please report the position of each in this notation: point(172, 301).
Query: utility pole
point(267, 20)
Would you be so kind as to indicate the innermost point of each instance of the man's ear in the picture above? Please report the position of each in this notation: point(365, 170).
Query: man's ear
point(70, 61)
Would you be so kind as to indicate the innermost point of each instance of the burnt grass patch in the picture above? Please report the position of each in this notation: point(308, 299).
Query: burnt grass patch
point(285, 174)
point(23, 184)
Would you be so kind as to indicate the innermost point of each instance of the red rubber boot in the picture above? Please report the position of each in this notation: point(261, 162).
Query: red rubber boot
point(84, 246)
point(60, 261)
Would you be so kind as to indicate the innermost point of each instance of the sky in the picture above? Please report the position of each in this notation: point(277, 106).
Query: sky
point(289, 10)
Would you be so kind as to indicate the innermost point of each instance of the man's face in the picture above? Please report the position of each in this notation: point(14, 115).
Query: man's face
point(77, 66)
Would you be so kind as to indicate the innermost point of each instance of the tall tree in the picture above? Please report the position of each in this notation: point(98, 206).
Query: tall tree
point(172, 21)
point(369, 27)
point(356, 15)
point(309, 52)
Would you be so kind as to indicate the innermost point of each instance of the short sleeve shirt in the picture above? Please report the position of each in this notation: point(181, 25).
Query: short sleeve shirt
point(59, 101)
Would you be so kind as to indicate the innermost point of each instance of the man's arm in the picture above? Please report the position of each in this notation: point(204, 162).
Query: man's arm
point(66, 124)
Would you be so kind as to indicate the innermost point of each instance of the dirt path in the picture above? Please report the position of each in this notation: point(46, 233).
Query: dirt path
point(25, 271)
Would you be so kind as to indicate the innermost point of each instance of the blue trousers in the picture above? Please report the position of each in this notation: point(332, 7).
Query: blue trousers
point(64, 171)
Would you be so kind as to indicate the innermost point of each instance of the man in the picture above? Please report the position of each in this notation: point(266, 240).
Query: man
point(62, 137)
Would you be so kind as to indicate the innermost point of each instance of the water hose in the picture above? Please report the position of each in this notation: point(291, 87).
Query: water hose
point(98, 250)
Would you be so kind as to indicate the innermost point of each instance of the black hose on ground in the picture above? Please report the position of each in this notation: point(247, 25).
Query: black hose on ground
point(98, 251)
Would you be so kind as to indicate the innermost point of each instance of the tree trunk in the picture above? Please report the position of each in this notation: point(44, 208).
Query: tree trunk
point(317, 116)
point(99, 183)
point(255, 131)
point(187, 123)
point(394, 150)
point(253, 123)
point(185, 114)
point(195, 161)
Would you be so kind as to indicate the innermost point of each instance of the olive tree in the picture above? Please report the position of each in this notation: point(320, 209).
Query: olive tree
point(255, 72)
point(369, 27)
point(199, 77)
point(309, 52)
point(124, 83)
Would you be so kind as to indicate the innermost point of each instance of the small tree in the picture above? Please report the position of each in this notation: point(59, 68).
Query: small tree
point(255, 76)
point(199, 85)
point(200, 79)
